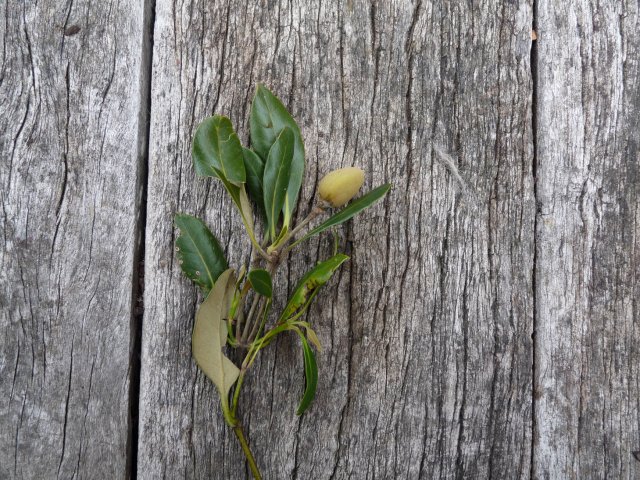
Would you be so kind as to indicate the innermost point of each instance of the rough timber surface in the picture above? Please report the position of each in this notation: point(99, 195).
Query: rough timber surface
point(588, 240)
point(427, 367)
point(70, 93)
point(487, 324)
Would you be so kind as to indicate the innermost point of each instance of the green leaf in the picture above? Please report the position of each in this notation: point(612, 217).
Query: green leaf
point(310, 375)
point(311, 283)
point(254, 166)
point(261, 282)
point(217, 150)
point(268, 117)
point(353, 209)
point(210, 335)
point(276, 177)
point(199, 253)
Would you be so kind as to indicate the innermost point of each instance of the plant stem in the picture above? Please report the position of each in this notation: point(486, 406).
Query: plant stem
point(260, 320)
point(250, 317)
point(236, 392)
point(233, 422)
point(252, 322)
point(247, 451)
point(239, 322)
point(315, 212)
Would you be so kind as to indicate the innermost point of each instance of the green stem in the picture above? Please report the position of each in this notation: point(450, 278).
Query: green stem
point(255, 243)
point(233, 422)
point(250, 323)
point(236, 392)
point(317, 211)
point(247, 452)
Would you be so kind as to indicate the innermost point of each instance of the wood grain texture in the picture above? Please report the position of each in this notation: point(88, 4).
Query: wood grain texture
point(70, 84)
point(588, 323)
point(427, 368)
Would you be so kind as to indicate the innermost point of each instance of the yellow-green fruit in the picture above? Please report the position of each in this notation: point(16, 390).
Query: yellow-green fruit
point(340, 186)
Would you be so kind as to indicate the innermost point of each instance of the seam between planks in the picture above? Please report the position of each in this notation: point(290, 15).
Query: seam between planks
point(137, 307)
point(534, 132)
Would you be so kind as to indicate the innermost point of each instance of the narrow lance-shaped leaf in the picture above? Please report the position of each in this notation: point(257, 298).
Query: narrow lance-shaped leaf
point(261, 282)
point(276, 177)
point(350, 211)
point(217, 151)
point(311, 282)
point(199, 253)
point(254, 167)
point(310, 375)
point(268, 117)
point(209, 336)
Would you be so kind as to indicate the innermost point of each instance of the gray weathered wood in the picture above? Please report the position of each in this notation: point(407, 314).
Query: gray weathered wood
point(427, 368)
point(71, 89)
point(588, 230)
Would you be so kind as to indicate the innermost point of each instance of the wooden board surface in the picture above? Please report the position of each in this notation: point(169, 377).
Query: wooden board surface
point(71, 90)
point(588, 256)
point(486, 325)
point(427, 331)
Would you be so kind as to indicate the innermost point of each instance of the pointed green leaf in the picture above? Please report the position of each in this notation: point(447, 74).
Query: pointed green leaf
point(350, 211)
point(254, 166)
point(310, 375)
point(268, 117)
point(310, 283)
point(199, 253)
point(261, 282)
point(217, 151)
point(276, 177)
point(209, 336)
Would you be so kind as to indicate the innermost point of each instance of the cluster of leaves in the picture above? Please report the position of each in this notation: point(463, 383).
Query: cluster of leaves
point(268, 176)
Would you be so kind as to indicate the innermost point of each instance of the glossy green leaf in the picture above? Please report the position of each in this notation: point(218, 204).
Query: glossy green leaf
point(310, 375)
point(276, 177)
point(254, 167)
point(217, 150)
point(311, 282)
point(350, 211)
point(210, 335)
point(261, 282)
point(268, 117)
point(199, 253)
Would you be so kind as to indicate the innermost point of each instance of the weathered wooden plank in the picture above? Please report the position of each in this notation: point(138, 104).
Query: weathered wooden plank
point(588, 330)
point(427, 370)
point(70, 84)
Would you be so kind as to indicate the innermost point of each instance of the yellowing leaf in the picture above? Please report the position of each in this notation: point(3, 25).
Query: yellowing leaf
point(313, 338)
point(210, 335)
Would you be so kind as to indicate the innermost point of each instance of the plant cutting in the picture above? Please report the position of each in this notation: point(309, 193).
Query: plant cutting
point(263, 182)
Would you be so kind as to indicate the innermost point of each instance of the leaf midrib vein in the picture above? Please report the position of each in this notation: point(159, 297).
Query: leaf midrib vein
point(204, 262)
point(275, 189)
